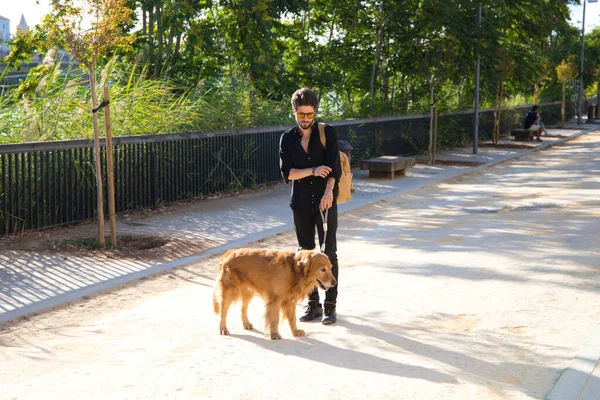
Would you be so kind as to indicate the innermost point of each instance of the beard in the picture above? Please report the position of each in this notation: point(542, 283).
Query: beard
point(306, 125)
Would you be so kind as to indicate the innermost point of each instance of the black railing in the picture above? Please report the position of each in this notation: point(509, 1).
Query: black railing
point(47, 184)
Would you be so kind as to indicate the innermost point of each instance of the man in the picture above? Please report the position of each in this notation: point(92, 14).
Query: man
point(314, 172)
point(532, 122)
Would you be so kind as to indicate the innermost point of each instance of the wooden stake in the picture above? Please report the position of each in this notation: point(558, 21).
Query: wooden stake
point(435, 124)
point(111, 176)
point(497, 133)
point(431, 113)
point(100, 203)
point(562, 107)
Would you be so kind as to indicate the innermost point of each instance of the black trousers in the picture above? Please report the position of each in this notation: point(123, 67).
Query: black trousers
point(305, 224)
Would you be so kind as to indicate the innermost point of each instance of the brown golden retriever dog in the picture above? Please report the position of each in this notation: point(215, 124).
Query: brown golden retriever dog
point(281, 278)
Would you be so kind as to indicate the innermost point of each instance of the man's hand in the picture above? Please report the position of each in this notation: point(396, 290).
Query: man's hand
point(322, 171)
point(327, 199)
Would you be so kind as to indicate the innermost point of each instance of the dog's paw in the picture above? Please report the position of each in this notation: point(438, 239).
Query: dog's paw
point(224, 331)
point(274, 336)
point(248, 326)
point(298, 332)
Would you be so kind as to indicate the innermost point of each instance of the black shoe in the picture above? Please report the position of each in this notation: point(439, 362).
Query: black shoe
point(313, 310)
point(330, 315)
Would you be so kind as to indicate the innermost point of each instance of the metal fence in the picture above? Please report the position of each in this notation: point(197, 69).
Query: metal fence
point(47, 184)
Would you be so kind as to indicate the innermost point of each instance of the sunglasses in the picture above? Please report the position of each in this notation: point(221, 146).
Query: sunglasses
point(309, 115)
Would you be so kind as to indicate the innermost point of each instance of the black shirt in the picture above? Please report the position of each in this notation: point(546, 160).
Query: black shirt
point(307, 192)
point(530, 119)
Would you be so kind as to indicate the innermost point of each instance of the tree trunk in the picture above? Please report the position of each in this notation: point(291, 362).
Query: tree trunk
point(394, 88)
point(499, 112)
point(402, 104)
point(350, 98)
point(385, 86)
point(332, 27)
point(496, 130)
point(304, 14)
point(536, 91)
point(159, 42)
point(145, 33)
point(177, 46)
point(150, 34)
point(377, 56)
point(306, 24)
point(100, 203)
point(169, 55)
point(385, 79)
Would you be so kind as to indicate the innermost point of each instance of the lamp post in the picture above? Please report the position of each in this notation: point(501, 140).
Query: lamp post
point(580, 91)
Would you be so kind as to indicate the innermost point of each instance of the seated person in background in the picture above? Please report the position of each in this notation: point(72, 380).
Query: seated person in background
point(532, 122)
point(540, 123)
point(543, 127)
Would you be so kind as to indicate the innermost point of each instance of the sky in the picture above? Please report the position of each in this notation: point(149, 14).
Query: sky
point(34, 10)
point(592, 15)
point(12, 9)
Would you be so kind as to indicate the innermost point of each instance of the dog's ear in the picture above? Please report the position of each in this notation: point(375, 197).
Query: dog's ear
point(302, 260)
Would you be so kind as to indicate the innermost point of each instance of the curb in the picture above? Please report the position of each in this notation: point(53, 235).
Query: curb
point(581, 379)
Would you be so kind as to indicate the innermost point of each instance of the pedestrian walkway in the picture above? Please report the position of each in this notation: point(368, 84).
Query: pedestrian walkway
point(33, 281)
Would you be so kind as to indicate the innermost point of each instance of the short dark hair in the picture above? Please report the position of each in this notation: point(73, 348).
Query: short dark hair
point(304, 97)
point(534, 108)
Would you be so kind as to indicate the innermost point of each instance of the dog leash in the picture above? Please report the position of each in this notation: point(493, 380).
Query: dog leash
point(324, 219)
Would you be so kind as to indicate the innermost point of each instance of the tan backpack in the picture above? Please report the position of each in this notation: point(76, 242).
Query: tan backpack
point(345, 183)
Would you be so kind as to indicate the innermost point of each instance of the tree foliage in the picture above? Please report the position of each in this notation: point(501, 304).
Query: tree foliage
point(363, 57)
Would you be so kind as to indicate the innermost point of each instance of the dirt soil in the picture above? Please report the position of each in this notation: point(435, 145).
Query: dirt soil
point(455, 163)
point(508, 145)
point(81, 240)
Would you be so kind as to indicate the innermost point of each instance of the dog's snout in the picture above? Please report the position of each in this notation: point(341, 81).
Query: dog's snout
point(333, 282)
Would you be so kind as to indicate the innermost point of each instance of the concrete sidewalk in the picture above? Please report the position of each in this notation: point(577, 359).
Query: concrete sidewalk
point(34, 281)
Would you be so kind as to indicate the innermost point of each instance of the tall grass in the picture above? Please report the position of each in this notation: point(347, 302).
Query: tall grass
point(234, 103)
point(51, 105)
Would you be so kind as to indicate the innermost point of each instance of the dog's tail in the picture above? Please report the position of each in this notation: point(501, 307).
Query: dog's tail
point(218, 291)
point(224, 277)
point(216, 297)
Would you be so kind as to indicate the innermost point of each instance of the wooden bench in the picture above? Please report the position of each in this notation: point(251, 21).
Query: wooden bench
point(387, 166)
point(523, 135)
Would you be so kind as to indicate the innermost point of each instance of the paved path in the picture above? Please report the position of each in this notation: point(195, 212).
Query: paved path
point(32, 282)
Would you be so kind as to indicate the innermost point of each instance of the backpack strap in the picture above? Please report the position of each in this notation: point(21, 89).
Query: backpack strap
point(322, 134)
